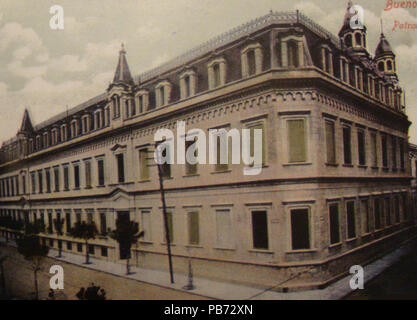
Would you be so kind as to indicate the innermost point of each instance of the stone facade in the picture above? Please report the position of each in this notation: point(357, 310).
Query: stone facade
point(335, 183)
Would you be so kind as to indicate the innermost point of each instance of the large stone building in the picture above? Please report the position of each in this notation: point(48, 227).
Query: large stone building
point(334, 189)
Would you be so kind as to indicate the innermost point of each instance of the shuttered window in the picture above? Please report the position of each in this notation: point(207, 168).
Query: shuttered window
point(88, 174)
point(384, 151)
point(330, 142)
point(100, 167)
point(296, 140)
point(252, 128)
point(223, 228)
point(170, 225)
point(120, 168)
point(190, 169)
point(146, 225)
point(143, 164)
point(193, 228)
point(374, 150)
point(361, 148)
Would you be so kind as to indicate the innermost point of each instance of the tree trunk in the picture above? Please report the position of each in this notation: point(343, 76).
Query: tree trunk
point(87, 255)
point(36, 285)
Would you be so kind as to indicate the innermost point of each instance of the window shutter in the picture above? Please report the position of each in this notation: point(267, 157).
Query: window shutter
point(330, 142)
point(297, 147)
point(193, 225)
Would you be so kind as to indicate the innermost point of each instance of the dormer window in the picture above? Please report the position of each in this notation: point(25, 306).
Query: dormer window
point(381, 66)
point(292, 51)
point(54, 136)
point(142, 100)
point(326, 59)
point(217, 73)
point(129, 107)
point(64, 133)
point(251, 59)
point(107, 116)
point(46, 139)
point(85, 123)
point(74, 128)
point(188, 83)
point(98, 119)
point(163, 93)
point(344, 70)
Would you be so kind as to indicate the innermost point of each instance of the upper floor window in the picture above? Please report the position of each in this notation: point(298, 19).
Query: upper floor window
point(252, 60)
point(347, 150)
point(330, 142)
point(54, 136)
point(327, 59)
point(188, 83)
point(217, 73)
point(100, 171)
point(120, 168)
point(98, 119)
point(163, 93)
point(142, 100)
point(46, 139)
point(297, 146)
point(116, 106)
point(74, 128)
point(361, 147)
point(64, 133)
point(85, 121)
point(384, 151)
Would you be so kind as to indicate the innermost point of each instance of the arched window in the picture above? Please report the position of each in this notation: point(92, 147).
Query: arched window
point(348, 40)
point(358, 39)
point(389, 65)
point(381, 66)
point(292, 54)
point(116, 106)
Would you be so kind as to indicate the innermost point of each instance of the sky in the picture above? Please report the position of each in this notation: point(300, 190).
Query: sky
point(46, 70)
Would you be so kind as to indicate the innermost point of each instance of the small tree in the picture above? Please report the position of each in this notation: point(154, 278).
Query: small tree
point(85, 231)
point(126, 234)
point(30, 247)
point(59, 226)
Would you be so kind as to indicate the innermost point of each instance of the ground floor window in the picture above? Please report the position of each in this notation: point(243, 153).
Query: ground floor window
point(104, 252)
point(69, 245)
point(79, 247)
point(260, 229)
point(300, 229)
point(334, 223)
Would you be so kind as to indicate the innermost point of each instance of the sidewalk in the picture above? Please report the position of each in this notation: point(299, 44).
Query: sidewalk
point(230, 291)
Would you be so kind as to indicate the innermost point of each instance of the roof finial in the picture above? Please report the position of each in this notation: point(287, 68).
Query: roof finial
point(122, 48)
point(382, 28)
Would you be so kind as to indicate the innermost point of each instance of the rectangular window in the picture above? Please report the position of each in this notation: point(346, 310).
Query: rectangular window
point(103, 223)
point(91, 249)
point(76, 176)
point(330, 142)
point(223, 228)
point(216, 73)
point(365, 216)
point(300, 229)
point(143, 164)
point(361, 148)
point(79, 247)
point(140, 104)
point(170, 226)
point(33, 182)
point(394, 152)
point(50, 227)
point(377, 214)
point(252, 128)
point(187, 86)
point(190, 169)
point(251, 62)
point(384, 151)
point(88, 174)
point(56, 178)
point(402, 162)
point(297, 140)
point(146, 225)
point(222, 148)
point(387, 207)
point(334, 223)
point(405, 206)
point(48, 180)
point(68, 221)
point(40, 181)
point(100, 169)
point(397, 208)
point(104, 252)
point(66, 178)
point(69, 245)
point(166, 167)
point(350, 216)
point(120, 168)
point(193, 228)
point(347, 150)
point(260, 229)
point(374, 150)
